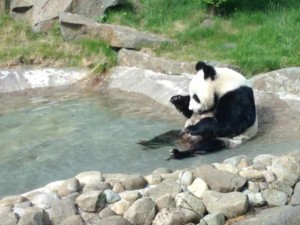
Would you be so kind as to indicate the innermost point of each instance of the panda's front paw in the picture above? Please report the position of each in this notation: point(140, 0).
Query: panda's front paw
point(174, 154)
point(192, 130)
point(176, 99)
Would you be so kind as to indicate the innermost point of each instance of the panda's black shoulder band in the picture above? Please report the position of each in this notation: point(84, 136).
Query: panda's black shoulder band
point(200, 65)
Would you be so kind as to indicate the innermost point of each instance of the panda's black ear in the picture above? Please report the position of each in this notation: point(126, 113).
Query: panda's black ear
point(209, 71)
point(200, 65)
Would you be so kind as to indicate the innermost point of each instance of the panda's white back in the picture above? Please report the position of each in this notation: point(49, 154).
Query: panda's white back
point(227, 80)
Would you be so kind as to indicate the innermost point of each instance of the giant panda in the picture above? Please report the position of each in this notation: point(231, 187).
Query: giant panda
point(226, 100)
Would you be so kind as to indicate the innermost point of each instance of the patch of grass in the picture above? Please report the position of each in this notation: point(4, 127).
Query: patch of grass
point(256, 41)
point(19, 45)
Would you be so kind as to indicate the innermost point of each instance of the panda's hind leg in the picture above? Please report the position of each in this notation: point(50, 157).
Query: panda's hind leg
point(203, 147)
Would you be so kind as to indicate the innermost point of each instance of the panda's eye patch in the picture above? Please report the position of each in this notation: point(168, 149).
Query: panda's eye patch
point(195, 97)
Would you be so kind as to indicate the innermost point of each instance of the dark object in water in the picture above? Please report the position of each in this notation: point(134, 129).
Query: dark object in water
point(168, 138)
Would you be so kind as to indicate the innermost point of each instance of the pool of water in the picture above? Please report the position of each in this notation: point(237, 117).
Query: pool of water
point(55, 134)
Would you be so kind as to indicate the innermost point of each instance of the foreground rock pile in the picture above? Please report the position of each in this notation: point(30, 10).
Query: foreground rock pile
point(267, 186)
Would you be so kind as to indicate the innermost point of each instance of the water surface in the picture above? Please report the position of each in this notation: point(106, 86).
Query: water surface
point(55, 134)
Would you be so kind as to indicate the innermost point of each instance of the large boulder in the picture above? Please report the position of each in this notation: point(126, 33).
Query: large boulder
point(76, 27)
point(92, 8)
point(219, 180)
point(42, 13)
point(273, 216)
point(142, 212)
point(230, 204)
point(283, 82)
point(145, 60)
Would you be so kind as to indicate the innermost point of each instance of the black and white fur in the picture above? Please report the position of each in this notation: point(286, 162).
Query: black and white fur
point(228, 96)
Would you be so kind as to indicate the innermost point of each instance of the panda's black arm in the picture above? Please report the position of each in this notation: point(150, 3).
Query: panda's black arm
point(182, 104)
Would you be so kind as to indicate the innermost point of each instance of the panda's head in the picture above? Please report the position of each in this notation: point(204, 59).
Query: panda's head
point(201, 88)
point(211, 83)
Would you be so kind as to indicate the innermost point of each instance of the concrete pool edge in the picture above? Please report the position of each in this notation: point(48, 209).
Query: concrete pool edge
point(22, 79)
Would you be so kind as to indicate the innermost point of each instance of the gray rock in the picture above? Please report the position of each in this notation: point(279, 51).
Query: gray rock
point(99, 186)
point(114, 220)
point(142, 212)
point(269, 176)
point(167, 186)
point(191, 206)
point(253, 187)
point(39, 14)
point(44, 200)
point(74, 220)
point(240, 161)
point(134, 182)
point(121, 207)
point(118, 187)
point(266, 160)
point(89, 177)
point(218, 180)
point(169, 216)
point(226, 167)
point(92, 8)
point(153, 178)
point(91, 201)
point(295, 200)
point(12, 200)
point(258, 165)
point(130, 58)
point(23, 205)
point(263, 186)
point(68, 187)
point(9, 218)
point(111, 196)
point(289, 178)
point(213, 219)
point(274, 197)
point(106, 212)
point(283, 166)
point(185, 178)
point(165, 201)
point(90, 218)
point(273, 216)
point(78, 27)
point(61, 210)
point(172, 216)
point(281, 186)
point(161, 169)
point(34, 216)
point(42, 14)
point(256, 199)
point(159, 86)
point(130, 196)
point(251, 174)
point(6, 208)
point(279, 82)
point(230, 204)
point(161, 65)
point(198, 187)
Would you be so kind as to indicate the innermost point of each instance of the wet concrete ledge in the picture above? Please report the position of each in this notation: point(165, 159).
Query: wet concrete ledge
point(20, 79)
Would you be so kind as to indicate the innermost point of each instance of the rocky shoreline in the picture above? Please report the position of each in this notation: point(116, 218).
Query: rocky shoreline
point(265, 188)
